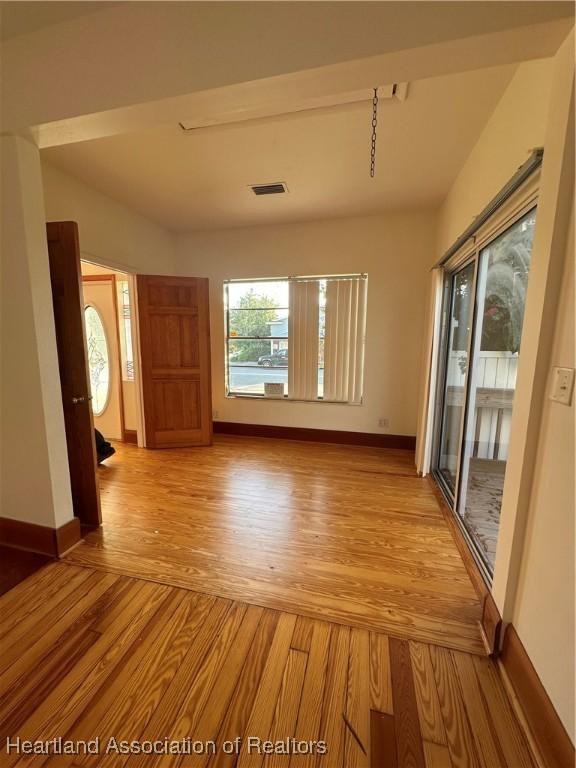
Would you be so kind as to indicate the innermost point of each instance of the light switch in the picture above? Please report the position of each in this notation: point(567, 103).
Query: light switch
point(562, 385)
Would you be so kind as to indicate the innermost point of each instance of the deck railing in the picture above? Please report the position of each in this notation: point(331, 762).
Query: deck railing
point(494, 383)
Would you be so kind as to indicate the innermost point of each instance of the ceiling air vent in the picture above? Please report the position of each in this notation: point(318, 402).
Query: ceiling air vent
point(278, 188)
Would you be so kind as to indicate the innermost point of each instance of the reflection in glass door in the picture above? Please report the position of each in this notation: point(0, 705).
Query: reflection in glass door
point(500, 299)
point(455, 375)
point(479, 381)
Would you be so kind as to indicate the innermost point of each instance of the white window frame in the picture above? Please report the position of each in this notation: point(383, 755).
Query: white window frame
point(361, 335)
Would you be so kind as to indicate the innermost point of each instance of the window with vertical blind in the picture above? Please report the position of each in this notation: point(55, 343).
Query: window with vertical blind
point(296, 338)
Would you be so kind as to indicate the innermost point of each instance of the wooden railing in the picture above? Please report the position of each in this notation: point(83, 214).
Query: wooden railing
point(495, 383)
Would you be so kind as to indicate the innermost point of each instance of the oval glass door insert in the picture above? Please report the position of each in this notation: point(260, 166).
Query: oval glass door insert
point(98, 359)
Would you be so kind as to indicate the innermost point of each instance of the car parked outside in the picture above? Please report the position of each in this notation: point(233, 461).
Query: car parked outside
point(277, 358)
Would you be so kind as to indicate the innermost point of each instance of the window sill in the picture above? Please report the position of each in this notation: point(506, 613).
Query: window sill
point(286, 399)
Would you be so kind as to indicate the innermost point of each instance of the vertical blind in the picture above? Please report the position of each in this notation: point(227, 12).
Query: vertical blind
point(344, 329)
point(303, 326)
point(344, 339)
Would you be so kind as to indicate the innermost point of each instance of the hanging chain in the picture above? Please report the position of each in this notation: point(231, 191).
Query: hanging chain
point(374, 124)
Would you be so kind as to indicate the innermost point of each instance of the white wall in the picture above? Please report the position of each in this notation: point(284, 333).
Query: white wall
point(110, 233)
point(544, 610)
point(394, 250)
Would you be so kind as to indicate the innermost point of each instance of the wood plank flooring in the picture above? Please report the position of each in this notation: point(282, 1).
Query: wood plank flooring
point(343, 533)
point(88, 654)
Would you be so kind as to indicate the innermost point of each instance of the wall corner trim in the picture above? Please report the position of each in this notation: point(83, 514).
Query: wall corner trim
point(340, 437)
point(542, 719)
point(130, 436)
point(40, 538)
point(491, 626)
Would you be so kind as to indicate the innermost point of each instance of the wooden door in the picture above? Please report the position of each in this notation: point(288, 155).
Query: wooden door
point(175, 353)
point(66, 278)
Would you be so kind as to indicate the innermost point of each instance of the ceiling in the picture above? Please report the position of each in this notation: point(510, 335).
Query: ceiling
point(21, 18)
point(201, 179)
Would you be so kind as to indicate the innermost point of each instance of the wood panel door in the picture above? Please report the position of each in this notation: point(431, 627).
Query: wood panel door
point(175, 352)
point(66, 279)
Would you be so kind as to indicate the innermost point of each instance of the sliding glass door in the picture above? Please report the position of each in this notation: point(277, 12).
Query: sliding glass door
point(483, 318)
point(458, 338)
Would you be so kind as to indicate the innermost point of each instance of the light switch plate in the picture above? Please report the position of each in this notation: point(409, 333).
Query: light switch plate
point(562, 385)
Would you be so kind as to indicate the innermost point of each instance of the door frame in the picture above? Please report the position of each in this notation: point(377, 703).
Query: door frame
point(134, 329)
point(521, 203)
point(441, 376)
point(112, 280)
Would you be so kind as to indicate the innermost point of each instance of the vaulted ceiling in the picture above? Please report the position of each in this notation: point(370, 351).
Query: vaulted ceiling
point(21, 18)
point(201, 179)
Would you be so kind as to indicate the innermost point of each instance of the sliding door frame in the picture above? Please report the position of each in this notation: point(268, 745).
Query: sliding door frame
point(521, 203)
point(447, 299)
point(453, 498)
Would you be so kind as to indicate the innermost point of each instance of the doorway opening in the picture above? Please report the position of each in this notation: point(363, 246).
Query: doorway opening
point(107, 299)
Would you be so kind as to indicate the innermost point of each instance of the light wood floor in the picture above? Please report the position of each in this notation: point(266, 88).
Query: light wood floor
point(346, 534)
point(89, 654)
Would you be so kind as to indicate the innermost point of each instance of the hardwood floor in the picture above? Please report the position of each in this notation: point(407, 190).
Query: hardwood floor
point(343, 533)
point(88, 654)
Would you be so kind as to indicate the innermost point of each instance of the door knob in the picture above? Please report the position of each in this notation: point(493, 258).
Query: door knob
point(76, 400)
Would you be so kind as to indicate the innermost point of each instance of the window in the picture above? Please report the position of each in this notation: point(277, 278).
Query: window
point(98, 359)
point(296, 338)
point(126, 354)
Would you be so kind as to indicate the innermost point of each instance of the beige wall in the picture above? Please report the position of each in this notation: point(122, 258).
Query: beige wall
point(97, 63)
point(517, 125)
point(533, 112)
point(110, 233)
point(544, 610)
point(111, 236)
point(394, 250)
point(34, 482)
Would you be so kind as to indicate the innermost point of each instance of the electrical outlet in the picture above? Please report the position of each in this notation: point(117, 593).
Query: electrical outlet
point(215, 415)
point(562, 385)
point(383, 423)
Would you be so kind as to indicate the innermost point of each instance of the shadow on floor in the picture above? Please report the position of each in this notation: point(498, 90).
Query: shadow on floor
point(16, 565)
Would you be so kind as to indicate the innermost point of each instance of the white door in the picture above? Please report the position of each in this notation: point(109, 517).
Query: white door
point(101, 319)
